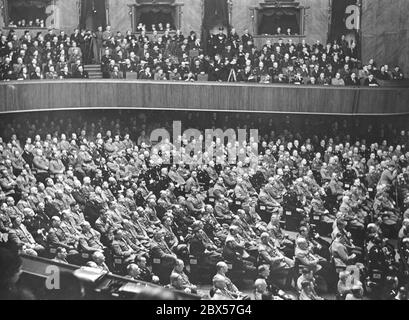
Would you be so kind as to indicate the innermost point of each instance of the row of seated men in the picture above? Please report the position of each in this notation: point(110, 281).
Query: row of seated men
point(176, 57)
point(109, 201)
point(349, 285)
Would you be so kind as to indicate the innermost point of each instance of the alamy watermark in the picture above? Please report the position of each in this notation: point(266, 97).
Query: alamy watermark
point(216, 145)
point(52, 282)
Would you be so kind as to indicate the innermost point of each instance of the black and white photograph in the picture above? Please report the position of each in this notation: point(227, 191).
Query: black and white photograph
point(204, 154)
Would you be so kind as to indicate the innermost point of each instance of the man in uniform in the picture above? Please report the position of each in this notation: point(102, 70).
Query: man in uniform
point(141, 231)
point(279, 236)
point(121, 248)
point(222, 210)
point(266, 200)
point(163, 202)
point(240, 192)
point(278, 262)
point(222, 269)
point(12, 210)
point(99, 259)
point(145, 273)
point(58, 238)
point(56, 165)
point(318, 209)
point(371, 179)
point(305, 257)
point(104, 223)
point(131, 236)
point(7, 184)
point(194, 203)
point(340, 252)
point(192, 182)
point(143, 193)
point(160, 250)
point(89, 239)
point(220, 41)
point(219, 188)
point(211, 171)
point(41, 165)
point(352, 213)
point(5, 222)
point(134, 272)
point(241, 220)
point(220, 289)
point(388, 176)
point(19, 236)
point(152, 213)
point(235, 250)
point(202, 247)
point(185, 282)
point(23, 203)
point(336, 187)
point(61, 255)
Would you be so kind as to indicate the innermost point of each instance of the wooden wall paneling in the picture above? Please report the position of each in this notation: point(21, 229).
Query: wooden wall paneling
point(50, 95)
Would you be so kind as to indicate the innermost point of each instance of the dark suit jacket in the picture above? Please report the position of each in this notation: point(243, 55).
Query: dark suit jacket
point(118, 75)
point(79, 75)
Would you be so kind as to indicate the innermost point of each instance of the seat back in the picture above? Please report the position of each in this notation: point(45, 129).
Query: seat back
point(131, 75)
point(202, 77)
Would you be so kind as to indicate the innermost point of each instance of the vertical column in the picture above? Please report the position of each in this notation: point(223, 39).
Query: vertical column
point(329, 18)
point(359, 29)
point(202, 5)
point(107, 12)
point(253, 16)
point(79, 6)
point(132, 16)
point(179, 16)
point(230, 9)
point(4, 13)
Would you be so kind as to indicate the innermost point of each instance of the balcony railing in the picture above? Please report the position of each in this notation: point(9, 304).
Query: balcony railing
point(209, 96)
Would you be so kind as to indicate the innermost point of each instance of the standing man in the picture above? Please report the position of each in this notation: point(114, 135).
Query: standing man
point(107, 36)
point(99, 40)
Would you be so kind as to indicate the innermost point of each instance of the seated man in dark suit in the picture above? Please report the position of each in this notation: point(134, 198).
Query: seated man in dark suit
point(64, 73)
point(145, 273)
point(80, 73)
point(116, 74)
point(352, 80)
point(371, 81)
point(397, 74)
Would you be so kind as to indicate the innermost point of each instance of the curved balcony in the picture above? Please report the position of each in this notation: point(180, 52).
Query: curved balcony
point(20, 96)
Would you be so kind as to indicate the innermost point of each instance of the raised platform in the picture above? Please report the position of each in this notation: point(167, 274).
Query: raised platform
point(17, 96)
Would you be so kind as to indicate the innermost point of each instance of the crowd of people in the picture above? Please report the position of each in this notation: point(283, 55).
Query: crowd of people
point(36, 23)
point(95, 193)
point(170, 55)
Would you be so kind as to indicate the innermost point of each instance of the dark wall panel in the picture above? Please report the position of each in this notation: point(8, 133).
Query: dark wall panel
point(385, 32)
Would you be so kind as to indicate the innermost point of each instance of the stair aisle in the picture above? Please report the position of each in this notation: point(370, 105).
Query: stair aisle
point(94, 71)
